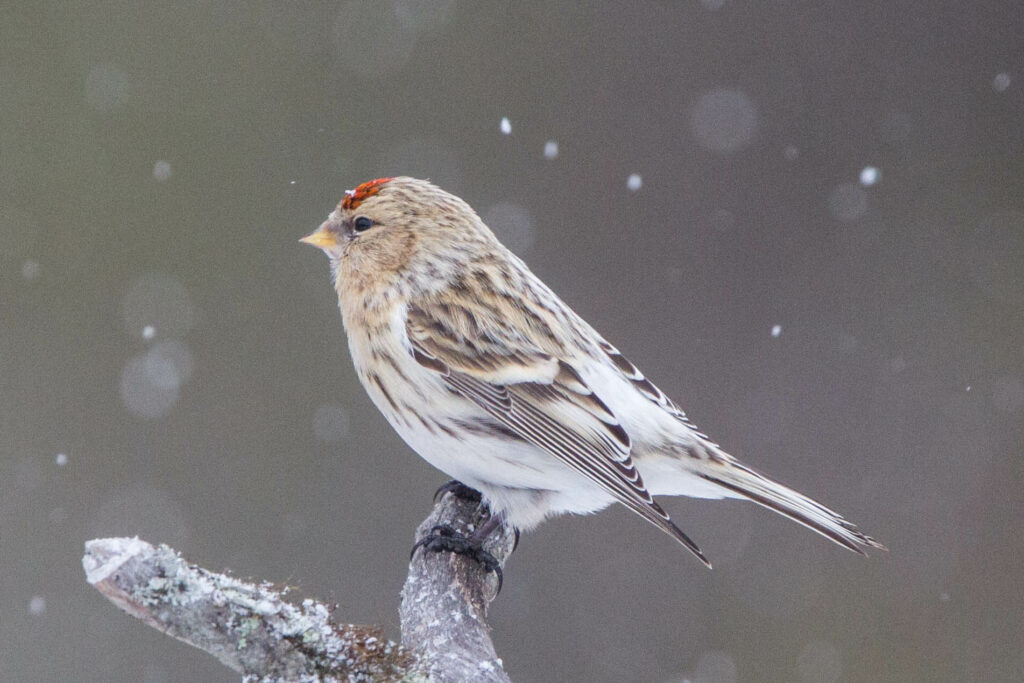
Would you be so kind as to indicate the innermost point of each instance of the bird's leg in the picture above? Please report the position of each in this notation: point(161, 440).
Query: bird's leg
point(480, 534)
point(445, 538)
point(459, 490)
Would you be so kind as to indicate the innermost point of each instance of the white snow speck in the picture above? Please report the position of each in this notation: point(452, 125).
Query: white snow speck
point(790, 152)
point(1001, 82)
point(634, 182)
point(944, 597)
point(37, 605)
point(291, 182)
point(869, 176)
point(162, 171)
point(776, 330)
point(506, 125)
point(61, 460)
point(968, 388)
point(550, 149)
point(148, 332)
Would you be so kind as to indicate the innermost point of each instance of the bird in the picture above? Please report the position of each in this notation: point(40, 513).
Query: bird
point(491, 378)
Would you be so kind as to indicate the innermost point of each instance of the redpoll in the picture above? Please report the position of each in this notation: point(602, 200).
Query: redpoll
point(492, 379)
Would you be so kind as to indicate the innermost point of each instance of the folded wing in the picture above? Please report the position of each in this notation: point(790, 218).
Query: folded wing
point(541, 398)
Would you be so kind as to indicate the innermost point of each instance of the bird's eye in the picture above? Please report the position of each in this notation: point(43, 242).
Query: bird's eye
point(362, 224)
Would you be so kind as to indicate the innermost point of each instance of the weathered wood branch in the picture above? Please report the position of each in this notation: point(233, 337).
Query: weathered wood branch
point(445, 599)
point(253, 630)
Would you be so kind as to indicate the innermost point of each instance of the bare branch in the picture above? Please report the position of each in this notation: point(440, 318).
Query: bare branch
point(445, 599)
point(248, 627)
point(251, 629)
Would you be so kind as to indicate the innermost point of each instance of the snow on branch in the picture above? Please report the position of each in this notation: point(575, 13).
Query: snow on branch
point(253, 630)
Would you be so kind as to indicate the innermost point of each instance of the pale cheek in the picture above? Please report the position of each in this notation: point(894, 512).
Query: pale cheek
point(367, 267)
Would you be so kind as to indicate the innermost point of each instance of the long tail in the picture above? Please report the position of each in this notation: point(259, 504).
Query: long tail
point(743, 481)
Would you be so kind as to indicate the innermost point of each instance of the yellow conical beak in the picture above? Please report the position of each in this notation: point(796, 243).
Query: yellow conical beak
point(322, 238)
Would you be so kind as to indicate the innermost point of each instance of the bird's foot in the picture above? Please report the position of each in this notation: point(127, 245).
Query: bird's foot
point(443, 538)
point(459, 490)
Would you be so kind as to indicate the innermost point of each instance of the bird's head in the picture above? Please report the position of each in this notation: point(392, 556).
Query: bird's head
point(394, 231)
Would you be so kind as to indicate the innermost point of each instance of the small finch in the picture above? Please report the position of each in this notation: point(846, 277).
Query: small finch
point(494, 380)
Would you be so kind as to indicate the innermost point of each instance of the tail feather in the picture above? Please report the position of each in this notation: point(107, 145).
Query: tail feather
point(745, 482)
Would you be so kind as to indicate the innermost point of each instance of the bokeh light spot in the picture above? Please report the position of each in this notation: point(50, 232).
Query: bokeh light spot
point(724, 120)
point(142, 394)
point(162, 171)
point(150, 382)
point(30, 269)
point(37, 605)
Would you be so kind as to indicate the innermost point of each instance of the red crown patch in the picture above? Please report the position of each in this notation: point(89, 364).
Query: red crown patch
point(353, 198)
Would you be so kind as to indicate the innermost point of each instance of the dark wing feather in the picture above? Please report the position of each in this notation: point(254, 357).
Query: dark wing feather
point(647, 388)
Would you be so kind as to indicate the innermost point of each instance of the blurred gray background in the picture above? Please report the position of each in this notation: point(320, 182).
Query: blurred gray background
point(803, 220)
